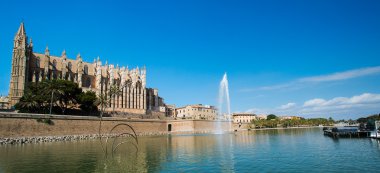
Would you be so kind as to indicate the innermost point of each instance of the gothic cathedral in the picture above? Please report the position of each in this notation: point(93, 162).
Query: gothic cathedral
point(29, 66)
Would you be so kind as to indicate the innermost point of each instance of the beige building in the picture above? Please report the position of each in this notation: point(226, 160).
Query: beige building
point(171, 111)
point(29, 66)
point(243, 117)
point(262, 117)
point(4, 102)
point(198, 111)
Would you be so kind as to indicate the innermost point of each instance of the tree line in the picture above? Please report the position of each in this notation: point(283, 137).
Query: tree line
point(273, 121)
point(57, 97)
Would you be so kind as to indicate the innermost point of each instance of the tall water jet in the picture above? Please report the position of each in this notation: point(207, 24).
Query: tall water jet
point(224, 109)
point(224, 99)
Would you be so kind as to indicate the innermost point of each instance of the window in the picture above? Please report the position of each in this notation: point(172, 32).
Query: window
point(54, 64)
point(69, 66)
point(85, 70)
point(88, 83)
point(37, 62)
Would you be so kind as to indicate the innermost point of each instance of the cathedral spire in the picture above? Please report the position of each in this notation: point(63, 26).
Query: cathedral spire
point(20, 40)
point(79, 57)
point(21, 31)
point(47, 52)
point(64, 53)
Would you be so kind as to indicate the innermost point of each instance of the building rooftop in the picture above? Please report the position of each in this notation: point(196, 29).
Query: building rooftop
point(198, 106)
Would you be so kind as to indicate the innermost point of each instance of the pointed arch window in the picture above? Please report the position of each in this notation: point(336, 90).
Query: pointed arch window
point(37, 62)
point(87, 83)
point(85, 70)
point(69, 66)
point(54, 64)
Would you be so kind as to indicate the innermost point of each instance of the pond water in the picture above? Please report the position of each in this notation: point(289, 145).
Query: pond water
point(277, 150)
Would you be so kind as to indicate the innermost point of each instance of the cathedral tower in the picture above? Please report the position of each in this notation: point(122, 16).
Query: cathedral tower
point(20, 59)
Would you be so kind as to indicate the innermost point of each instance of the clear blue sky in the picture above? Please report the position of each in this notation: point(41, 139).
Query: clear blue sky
point(310, 58)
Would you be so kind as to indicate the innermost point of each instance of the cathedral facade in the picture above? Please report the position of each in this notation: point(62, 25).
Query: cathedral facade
point(29, 66)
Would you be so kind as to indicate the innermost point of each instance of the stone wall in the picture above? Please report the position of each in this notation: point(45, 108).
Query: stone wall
point(26, 125)
point(16, 127)
point(181, 125)
point(212, 125)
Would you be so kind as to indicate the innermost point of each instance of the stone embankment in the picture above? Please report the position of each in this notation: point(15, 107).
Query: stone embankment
point(40, 139)
point(16, 128)
point(43, 139)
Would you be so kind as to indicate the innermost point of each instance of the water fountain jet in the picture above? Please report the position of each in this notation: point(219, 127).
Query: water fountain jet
point(224, 109)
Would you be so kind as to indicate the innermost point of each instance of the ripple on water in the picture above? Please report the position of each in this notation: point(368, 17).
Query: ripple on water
point(289, 150)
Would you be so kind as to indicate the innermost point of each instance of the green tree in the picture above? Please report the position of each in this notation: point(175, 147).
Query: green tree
point(63, 93)
point(68, 94)
point(330, 121)
point(87, 102)
point(33, 100)
point(271, 116)
point(47, 94)
point(258, 123)
point(27, 103)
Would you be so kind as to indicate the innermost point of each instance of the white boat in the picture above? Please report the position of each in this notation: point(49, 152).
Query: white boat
point(376, 132)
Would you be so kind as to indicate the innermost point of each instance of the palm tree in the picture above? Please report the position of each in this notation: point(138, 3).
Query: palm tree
point(114, 91)
point(28, 102)
point(104, 101)
point(53, 88)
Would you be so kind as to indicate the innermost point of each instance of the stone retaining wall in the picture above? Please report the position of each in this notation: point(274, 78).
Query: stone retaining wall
point(41, 139)
point(31, 128)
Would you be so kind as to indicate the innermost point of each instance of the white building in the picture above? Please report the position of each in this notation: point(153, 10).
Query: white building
point(243, 117)
point(198, 111)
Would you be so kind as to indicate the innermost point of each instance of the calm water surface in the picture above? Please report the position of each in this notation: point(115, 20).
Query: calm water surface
point(288, 150)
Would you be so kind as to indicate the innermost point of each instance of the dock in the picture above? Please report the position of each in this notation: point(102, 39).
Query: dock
point(346, 132)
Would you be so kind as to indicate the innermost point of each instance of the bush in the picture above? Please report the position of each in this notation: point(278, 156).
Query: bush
point(48, 121)
point(39, 120)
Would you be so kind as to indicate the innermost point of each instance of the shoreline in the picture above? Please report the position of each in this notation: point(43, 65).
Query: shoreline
point(70, 138)
point(281, 128)
point(16, 128)
point(45, 139)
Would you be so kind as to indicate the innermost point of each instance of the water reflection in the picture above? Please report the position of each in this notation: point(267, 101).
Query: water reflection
point(277, 150)
point(375, 142)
